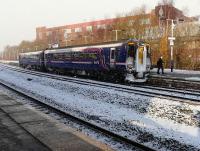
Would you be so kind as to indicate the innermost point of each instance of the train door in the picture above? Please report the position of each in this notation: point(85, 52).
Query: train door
point(141, 59)
point(131, 54)
point(112, 57)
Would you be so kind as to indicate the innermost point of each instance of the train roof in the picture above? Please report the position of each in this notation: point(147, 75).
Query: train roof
point(87, 46)
point(31, 53)
point(81, 48)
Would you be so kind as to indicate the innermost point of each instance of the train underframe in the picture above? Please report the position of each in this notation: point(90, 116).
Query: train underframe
point(111, 75)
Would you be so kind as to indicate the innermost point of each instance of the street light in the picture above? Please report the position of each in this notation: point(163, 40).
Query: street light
point(85, 38)
point(36, 48)
point(116, 34)
point(171, 39)
point(17, 54)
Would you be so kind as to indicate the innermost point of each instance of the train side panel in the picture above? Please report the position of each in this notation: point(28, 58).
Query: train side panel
point(32, 60)
point(90, 59)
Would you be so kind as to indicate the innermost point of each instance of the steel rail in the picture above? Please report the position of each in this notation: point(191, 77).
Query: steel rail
point(79, 120)
point(177, 95)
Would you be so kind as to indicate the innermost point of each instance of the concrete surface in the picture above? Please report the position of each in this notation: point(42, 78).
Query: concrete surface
point(14, 138)
point(22, 128)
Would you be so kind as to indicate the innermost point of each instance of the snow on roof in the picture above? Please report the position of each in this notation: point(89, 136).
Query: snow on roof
point(82, 48)
point(31, 53)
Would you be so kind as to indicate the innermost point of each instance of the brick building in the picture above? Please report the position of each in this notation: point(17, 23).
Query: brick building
point(66, 35)
point(89, 32)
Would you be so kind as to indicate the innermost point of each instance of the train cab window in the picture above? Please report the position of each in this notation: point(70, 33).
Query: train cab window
point(131, 51)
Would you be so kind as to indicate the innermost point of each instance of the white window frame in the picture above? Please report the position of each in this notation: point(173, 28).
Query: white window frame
point(48, 33)
point(89, 28)
point(78, 29)
point(68, 30)
point(40, 35)
point(145, 21)
point(101, 26)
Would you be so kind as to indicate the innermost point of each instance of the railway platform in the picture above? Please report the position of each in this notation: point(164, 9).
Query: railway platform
point(188, 75)
point(23, 128)
point(184, 79)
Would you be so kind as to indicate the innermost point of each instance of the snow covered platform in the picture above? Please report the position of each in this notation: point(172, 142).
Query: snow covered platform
point(22, 128)
point(186, 79)
point(189, 75)
point(13, 63)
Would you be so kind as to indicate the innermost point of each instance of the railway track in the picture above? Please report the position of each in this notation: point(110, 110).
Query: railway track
point(42, 106)
point(163, 93)
point(175, 82)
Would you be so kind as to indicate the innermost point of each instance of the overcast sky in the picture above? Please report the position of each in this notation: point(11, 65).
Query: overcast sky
point(19, 18)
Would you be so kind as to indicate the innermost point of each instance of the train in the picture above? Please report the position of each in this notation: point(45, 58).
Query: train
point(128, 60)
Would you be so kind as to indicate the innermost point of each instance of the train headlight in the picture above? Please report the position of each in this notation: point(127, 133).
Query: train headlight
point(130, 66)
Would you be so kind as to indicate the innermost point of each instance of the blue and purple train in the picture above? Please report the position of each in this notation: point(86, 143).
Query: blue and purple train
point(127, 60)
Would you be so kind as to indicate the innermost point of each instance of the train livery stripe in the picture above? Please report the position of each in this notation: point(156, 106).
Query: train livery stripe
point(89, 62)
point(79, 62)
point(118, 63)
point(76, 62)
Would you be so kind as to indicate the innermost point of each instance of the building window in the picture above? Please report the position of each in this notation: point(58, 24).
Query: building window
point(78, 29)
point(89, 28)
point(103, 26)
point(131, 22)
point(68, 31)
point(145, 21)
point(132, 32)
point(40, 35)
point(48, 33)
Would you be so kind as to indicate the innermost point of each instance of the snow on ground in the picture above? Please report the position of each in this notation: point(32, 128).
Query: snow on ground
point(134, 116)
point(9, 61)
point(193, 78)
point(189, 75)
point(178, 71)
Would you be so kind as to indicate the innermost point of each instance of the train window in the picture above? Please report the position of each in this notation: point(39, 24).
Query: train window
point(131, 51)
point(67, 56)
point(75, 55)
point(117, 53)
point(112, 54)
point(93, 56)
point(81, 56)
point(58, 56)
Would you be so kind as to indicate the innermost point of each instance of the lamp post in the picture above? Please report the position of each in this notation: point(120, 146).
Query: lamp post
point(171, 40)
point(116, 34)
point(36, 48)
point(17, 54)
point(85, 38)
point(2, 55)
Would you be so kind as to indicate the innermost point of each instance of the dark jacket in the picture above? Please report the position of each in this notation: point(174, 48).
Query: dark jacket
point(160, 63)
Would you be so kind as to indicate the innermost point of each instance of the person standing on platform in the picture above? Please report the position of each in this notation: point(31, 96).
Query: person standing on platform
point(172, 65)
point(160, 65)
